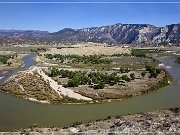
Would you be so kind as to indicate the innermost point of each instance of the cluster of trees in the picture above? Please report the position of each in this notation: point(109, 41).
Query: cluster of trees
point(92, 59)
point(138, 53)
point(120, 54)
point(143, 52)
point(126, 78)
point(153, 71)
point(65, 47)
point(4, 58)
point(38, 50)
point(95, 79)
point(124, 70)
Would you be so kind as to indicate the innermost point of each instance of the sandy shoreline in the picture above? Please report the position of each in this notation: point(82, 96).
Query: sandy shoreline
point(58, 88)
point(66, 92)
point(40, 101)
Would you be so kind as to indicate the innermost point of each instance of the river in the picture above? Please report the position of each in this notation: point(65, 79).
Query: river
point(28, 62)
point(16, 113)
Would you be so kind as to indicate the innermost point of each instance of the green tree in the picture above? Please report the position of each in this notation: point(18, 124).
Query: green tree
point(54, 72)
point(153, 74)
point(99, 85)
point(158, 71)
point(124, 70)
point(148, 68)
point(132, 75)
point(9, 64)
point(126, 78)
point(73, 83)
point(143, 74)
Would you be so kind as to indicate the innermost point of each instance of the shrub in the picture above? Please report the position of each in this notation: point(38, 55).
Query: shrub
point(54, 72)
point(126, 78)
point(100, 85)
point(132, 75)
point(124, 70)
point(137, 53)
point(143, 74)
point(73, 83)
point(4, 59)
point(178, 60)
point(118, 117)
point(153, 71)
point(91, 59)
point(35, 125)
point(108, 117)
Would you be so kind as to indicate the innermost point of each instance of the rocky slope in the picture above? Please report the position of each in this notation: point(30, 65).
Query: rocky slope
point(122, 34)
point(23, 33)
point(157, 122)
point(112, 34)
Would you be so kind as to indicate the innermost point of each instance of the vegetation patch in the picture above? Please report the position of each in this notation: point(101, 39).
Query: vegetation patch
point(9, 61)
point(99, 77)
point(4, 59)
point(102, 85)
point(178, 60)
point(37, 50)
point(96, 80)
point(30, 86)
point(91, 59)
point(101, 62)
point(143, 52)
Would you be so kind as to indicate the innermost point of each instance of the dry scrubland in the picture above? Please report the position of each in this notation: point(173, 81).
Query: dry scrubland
point(86, 49)
point(41, 87)
point(35, 85)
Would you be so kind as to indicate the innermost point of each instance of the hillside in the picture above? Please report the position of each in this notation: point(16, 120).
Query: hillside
point(112, 34)
point(122, 34)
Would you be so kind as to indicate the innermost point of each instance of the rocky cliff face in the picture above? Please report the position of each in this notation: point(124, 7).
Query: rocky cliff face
point(116, 34)
point(122, 33)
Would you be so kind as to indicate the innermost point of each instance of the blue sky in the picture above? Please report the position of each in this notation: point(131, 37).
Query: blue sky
point(53, 17)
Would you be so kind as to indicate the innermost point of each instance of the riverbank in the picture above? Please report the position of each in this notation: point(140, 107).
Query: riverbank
point(34, 85)
point(64, 115)
point(156, 122)
point(90, 76)
point(178, 60)
point(14, 61)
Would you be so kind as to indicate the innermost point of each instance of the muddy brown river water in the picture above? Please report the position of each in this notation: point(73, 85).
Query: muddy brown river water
point(16, 113)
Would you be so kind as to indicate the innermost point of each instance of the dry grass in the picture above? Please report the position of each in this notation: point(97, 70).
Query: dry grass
point(33, 87)
point(89, 50)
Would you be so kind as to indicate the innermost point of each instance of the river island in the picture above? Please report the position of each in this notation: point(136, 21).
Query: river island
point(86, 73)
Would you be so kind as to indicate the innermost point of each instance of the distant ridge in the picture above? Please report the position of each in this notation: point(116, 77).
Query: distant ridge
point(111, 34)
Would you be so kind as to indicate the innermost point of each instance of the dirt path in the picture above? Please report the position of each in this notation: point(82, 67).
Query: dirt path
point(58, 88)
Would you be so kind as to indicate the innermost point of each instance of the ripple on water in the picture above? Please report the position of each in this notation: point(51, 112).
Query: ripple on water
point(161, 65)
point(168, 67)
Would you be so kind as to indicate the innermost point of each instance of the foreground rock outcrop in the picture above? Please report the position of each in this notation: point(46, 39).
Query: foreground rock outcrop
point(157, 122)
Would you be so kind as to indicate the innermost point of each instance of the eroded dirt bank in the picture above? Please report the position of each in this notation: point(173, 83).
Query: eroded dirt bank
point(157, 122)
